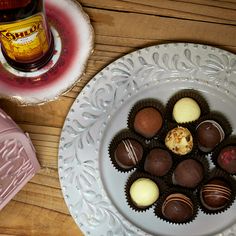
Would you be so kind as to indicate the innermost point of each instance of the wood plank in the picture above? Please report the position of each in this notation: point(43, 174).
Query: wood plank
point(22, 219)
point(40, 129)
point(44, 137)
point(154, 27)
point(49, 114)
point(199, 10)
point(42, 196)
point(47, 177)
point(121, 26)
point(45, 160)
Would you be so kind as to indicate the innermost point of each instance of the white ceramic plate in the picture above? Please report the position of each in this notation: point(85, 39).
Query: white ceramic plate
point(92, 188)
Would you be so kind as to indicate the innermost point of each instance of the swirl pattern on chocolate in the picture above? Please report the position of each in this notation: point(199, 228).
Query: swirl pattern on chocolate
point(177, 207)
point(215, 194)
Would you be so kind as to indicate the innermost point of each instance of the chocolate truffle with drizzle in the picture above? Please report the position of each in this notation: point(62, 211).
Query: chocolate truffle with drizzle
point(128, 153)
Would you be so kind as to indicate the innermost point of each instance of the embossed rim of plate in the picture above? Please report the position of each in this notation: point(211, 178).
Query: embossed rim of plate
point(219, 71)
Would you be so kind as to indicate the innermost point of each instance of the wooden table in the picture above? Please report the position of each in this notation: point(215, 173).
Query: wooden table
point(121, 26)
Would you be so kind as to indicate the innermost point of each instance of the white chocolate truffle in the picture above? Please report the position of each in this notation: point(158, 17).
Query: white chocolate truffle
point(186, 110)
point(144, 192)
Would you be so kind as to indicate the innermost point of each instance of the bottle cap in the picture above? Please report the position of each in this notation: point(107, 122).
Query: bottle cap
point(12, 4)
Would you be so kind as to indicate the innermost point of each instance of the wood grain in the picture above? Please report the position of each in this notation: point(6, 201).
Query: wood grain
point(199, 10)
point(24, 219)
point(121, 26)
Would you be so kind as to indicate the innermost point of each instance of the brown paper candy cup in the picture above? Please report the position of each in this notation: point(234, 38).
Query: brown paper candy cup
point(159, 160)
point(188, 179)
point(182, 151)
point(134, 177)
point(186, 93)
point(175, 203)
point(215, 192)
point(226, 161)
point(129, 145)
point(222, 122)
point(144, 124)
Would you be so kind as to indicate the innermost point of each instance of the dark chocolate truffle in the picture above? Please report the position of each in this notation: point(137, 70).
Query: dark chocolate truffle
point(158, 162)
point(215, 194)
point(148, 122)
point(128, 153)
point(177, 208)
point(227, 159)
point(209, 135)
point(188, 173)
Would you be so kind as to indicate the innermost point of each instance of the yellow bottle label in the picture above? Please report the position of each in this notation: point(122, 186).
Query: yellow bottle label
point(25, 40)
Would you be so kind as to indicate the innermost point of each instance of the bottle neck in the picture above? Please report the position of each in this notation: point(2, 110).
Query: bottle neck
point(13, 4)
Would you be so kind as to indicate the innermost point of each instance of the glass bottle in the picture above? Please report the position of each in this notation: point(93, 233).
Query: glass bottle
point(26, 39)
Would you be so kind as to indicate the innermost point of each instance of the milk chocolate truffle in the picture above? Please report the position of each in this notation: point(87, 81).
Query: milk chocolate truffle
point(215, 194)
point(186, 110)
point(128, 153)
point(227, 159)
point(179, 140)
point(188, 173)
point(209, 135)
point(148, 122)
point(177, 208)
point(144, 192)
point(158, 162)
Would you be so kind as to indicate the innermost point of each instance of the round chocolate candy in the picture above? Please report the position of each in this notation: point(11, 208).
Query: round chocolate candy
point(178, 208)
point(158, 162)
point(128, 153)
point(186, 110)
point(188, 173)
point(148, 122)
point(143, 192)
point(179, 140)
point(215, 194)
point(209, 135)
point(227, 159)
